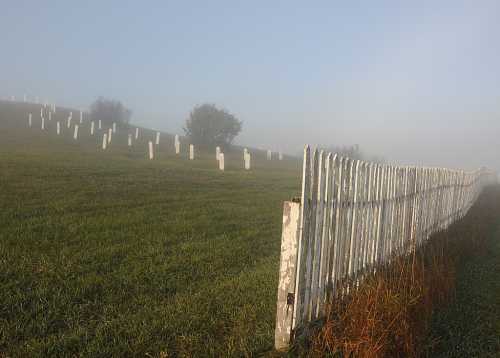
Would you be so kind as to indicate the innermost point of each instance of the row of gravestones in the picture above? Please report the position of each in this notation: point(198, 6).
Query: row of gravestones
point(107, 137)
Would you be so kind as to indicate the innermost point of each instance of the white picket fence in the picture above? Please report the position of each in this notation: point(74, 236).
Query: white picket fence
point(353, 216)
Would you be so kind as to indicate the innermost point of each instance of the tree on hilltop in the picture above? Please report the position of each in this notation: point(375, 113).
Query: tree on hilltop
point(209, 126)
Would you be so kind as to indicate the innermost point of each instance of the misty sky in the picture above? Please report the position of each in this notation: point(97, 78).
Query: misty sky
point(417, 83)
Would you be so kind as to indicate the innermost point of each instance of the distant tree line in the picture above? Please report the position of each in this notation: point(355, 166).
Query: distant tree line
point(354, 152)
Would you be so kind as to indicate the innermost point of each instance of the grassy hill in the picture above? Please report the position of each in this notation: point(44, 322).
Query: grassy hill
point(106, 253)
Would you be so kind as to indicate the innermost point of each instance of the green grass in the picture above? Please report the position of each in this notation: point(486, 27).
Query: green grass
point(470, 325)
point(109, 254)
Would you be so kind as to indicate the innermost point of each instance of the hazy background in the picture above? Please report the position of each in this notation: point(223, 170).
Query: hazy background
point(417, 84)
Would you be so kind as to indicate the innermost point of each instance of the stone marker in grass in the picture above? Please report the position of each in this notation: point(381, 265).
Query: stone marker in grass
point(29, 120)
point(130, 140)
point(177, 144)
point(58, 126)
point(92, 128)
point(104, 141)
point(191, 152)
point(221, 161)
point(247, 161)
point(151, 155)
point(75, 133)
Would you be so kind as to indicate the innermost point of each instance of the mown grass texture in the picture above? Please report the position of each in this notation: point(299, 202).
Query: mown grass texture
point(109, 254)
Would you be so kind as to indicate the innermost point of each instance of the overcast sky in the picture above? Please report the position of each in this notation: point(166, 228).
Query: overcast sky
point(416, 82)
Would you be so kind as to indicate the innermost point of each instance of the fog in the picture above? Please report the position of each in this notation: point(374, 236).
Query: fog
point(415, 84)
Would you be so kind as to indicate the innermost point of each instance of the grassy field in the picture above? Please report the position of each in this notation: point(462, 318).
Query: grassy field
point(110, 254)
point(470, 325)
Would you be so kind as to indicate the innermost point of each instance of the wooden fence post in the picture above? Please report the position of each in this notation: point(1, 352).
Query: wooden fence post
point(286, 286)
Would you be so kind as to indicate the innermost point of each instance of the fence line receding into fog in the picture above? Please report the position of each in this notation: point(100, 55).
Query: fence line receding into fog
point(355, 215)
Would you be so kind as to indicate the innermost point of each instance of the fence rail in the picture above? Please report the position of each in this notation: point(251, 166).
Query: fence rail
point(355, 215)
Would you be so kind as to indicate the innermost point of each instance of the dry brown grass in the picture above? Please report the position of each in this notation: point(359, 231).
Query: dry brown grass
point(389, 314)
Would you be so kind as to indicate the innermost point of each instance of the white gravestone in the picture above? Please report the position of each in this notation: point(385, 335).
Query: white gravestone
point(100, 124)
point(217, 153)
point(69, 122)
point(104, 141)
point(130, 140)
point(50, 116)
point(247, 161)
point(41, 112)
point(29, 120)
point(177, 144)
point(54, 108)
point(221, 161)
point(136, 133)
point(110, 132)
point(71, 115)
point(92, 128)
point(75, 134)
point(114, 127)
point(151, 150)
point(58, 125)
point(191, 152)
point(81, 117)
point(269, 155)
point(43, 123)
point(280, 156)
point(157, 138)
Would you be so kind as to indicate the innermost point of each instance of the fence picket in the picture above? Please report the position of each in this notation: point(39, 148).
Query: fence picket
point(352, 217)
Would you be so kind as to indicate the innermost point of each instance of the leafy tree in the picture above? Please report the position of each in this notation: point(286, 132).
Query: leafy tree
point(210, 126)
point(109, 111)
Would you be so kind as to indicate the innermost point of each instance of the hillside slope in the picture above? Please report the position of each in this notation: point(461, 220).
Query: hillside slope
point(107, 253)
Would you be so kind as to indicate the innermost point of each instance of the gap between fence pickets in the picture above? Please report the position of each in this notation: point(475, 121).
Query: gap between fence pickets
point(353, 216)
